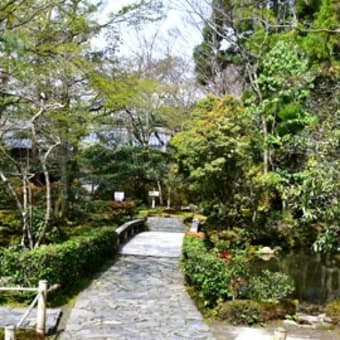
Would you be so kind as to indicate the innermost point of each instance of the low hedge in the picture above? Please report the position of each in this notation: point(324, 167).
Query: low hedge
point(63, 263)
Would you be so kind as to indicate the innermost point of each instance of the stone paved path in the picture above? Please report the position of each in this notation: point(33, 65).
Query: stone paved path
point(140, 297)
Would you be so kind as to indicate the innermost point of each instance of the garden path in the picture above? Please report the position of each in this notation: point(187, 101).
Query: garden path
point(141, 295)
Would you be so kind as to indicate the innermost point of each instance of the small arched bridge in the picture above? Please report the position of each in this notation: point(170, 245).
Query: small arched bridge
point(140, 295)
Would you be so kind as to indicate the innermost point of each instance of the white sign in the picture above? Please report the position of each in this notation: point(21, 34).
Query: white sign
point(153, 193)
point(119, 196)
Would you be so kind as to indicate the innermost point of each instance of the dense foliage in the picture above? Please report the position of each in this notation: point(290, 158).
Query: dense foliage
point(283, 172)
point(293, 199)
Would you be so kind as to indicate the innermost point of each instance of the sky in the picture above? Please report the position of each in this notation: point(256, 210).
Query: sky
point(178, 32)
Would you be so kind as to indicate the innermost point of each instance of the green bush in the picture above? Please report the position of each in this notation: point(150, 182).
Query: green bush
point(62, 263)
point(333, 311)
point(250, 312)
point(233, 239)
point(240, 312)
point(212, 276)
point(273, 310)
point(270, 286)
point(205, 271)
point(193, 245)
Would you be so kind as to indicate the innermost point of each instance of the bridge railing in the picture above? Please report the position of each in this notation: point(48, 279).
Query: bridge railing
point(129, 229)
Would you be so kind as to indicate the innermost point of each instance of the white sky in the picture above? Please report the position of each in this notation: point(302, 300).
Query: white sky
point(175, 32)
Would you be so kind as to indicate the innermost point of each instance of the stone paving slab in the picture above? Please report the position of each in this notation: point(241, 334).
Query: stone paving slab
point(137, 298)
point(159, 244)
point(11, 316)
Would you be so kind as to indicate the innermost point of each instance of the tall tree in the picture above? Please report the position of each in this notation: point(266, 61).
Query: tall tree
point(43, 47)
point(248, 29)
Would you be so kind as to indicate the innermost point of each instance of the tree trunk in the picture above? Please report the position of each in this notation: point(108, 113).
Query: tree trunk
point(168, 205)
point(159, 186)
point(18, 203)
point(25, 209)
point(30, 211)
point(27, 212)
point(63, 158)
point(43, 161)
point(266, 150)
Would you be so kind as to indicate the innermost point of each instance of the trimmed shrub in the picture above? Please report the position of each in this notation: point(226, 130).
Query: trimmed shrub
point(60, 263)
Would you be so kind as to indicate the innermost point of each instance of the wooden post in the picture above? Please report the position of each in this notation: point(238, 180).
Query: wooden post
point(280, 334)
point(10, 333)
point(41, 312)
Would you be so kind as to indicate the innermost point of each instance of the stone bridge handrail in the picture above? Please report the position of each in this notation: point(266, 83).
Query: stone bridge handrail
point(129, 229)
